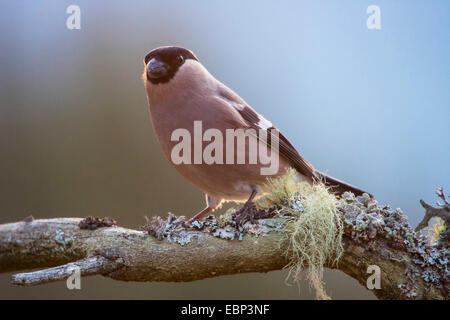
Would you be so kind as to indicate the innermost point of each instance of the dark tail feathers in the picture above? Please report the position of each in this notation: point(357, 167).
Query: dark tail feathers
point(339, 187)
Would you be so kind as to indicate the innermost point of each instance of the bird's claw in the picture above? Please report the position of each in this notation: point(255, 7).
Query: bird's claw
point(246, 213)
point(249, 212)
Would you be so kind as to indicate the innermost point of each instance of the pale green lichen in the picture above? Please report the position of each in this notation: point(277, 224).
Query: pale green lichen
point(312, 229)
point(226, 232)
point(225, 219)
point(172, 229)
point(436, 230)
point(312, 222)
point(61, 239)
point(363, 222)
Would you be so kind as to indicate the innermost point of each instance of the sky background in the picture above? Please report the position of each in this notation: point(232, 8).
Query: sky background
point(370, 107)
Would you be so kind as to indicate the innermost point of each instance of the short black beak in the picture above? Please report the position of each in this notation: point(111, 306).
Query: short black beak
point(156, 69)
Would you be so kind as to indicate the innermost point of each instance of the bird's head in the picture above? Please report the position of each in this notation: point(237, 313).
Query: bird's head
point(163, 63)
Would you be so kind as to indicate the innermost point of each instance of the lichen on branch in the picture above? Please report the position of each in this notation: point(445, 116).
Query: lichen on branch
point(410, 267)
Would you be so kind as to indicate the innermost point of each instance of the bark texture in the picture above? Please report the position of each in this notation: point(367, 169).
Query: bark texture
point(374, 235)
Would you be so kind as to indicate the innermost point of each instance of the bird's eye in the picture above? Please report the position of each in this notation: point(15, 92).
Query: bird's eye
point(180, 59)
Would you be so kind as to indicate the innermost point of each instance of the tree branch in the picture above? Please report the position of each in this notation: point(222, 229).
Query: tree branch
point(374, 235)
point(89, 266)
point(442, 211)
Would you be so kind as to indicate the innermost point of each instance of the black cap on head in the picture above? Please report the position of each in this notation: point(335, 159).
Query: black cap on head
point(162, 63)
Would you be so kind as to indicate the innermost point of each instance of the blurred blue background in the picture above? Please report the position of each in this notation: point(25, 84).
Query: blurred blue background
point(370, 107)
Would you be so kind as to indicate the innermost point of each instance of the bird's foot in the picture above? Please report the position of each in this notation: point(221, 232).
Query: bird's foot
point(198, 216)
point(244, 214)
point(249, 212)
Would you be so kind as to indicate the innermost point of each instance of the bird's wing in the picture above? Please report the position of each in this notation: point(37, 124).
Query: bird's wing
point(257, 122)
point(286, 150)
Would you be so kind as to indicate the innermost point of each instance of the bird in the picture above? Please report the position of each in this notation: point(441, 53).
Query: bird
point(182, 93)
